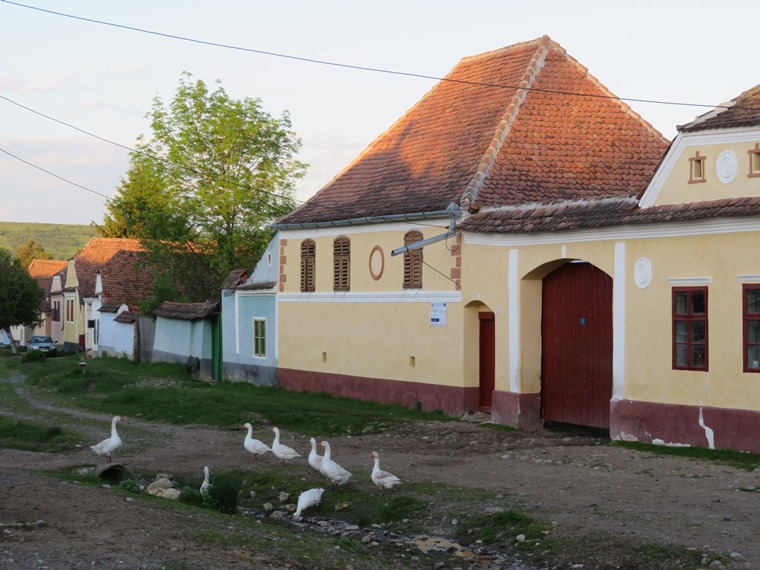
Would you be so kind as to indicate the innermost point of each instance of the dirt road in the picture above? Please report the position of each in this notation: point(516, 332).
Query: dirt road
point(571, 480)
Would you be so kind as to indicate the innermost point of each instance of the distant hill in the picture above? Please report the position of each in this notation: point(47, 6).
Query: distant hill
point(61, 241)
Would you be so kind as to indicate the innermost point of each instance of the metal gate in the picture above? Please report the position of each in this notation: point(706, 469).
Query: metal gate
point(576, 346)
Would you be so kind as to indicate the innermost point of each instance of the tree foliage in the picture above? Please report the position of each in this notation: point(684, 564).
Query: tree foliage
point(20, 295)
point(202, 190)
point(30, 251)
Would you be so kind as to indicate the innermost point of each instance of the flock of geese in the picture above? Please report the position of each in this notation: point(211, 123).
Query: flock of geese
point(323, 464)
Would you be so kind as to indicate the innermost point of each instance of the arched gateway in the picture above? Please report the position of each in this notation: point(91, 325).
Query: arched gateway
point(576, 346)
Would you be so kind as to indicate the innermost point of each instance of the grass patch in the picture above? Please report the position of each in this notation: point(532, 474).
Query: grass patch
point(162, 392)
point(738, 459)
point(502, 528)
point(29, 436)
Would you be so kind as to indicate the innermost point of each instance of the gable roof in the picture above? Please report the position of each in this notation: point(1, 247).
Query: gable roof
point(46, 267)
point(125, 280)
point(42, 271)
point(93, 256)
point(525, 123)
point(741, 111)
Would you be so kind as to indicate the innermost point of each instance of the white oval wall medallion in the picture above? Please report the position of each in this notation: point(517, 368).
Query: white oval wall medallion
point(727, 166)
point(642, 272)
point(376, 262)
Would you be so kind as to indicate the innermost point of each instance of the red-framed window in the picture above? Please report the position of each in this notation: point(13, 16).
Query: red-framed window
point(751, 318)
point(690, 328)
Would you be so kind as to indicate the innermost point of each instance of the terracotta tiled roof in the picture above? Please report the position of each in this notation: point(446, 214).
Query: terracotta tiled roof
point(598, 213)
point(741, 111)
point(46, 267)
point(93, 257)
point(126, 280)
point(42, 270)
point(482, 133)
point(187, 311)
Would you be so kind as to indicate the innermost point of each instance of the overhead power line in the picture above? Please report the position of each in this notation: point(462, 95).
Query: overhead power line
point(357, 67)
point(54, 175)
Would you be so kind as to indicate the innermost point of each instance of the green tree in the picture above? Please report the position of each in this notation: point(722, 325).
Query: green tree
point(31, 250)
point(20, 295)
point(141, 205)
point(203, 189)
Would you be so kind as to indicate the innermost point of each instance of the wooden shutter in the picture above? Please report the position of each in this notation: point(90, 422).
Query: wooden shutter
point(413, 262)
point(308, 260)
point(341, 264)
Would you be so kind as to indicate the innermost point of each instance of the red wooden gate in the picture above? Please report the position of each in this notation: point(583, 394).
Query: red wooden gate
point(576, 346)
point(487, 359)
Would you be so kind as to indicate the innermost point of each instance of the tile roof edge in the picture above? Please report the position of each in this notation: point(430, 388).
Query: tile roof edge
point(633, 200)
point(535, 65)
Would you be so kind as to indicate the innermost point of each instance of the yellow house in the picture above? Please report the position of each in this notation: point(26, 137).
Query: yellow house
point(675, 277)
point(393, 284)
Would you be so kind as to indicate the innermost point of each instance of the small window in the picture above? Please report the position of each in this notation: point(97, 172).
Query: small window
point(413, 262)
point(697, 169)
point(690, 328)
point(754, 161)
point(308, 260)
point(69, 310)
point(341, 264)
point(260, 338)
point(751, 314)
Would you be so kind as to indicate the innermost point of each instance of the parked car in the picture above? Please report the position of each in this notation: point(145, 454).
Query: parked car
point(43, 344)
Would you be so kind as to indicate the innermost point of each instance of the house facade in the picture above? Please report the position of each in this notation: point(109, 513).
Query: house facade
point(249, 322)
point(124, 281)
point(42, 271)
point(385, 293)
point(73, 290)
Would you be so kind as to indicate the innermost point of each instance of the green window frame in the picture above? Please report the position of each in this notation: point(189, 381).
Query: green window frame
point(260, 338)
point(751, 322)
point(690, 328)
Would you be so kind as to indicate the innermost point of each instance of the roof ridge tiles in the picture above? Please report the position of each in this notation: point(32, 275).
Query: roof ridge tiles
point(492, 152)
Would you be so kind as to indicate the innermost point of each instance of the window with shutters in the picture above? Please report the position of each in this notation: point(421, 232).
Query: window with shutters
point(690, 328)
point(413, 262)
point(342, 264)
point(308, 260)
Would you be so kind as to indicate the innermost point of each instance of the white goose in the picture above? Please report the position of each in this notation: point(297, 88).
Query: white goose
point(307, 499)
point(205, 484)
point(381, 478)
point(281, 451)
point(315, 460)
point(254, 445)
point(334, 472)
point(108, 446)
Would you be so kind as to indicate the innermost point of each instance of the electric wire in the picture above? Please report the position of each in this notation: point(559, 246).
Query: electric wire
point(362, 67)
point(53, 174)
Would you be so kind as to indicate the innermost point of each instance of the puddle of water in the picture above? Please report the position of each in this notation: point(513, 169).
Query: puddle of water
point(437, 544)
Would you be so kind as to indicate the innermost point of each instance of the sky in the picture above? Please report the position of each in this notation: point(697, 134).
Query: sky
point(74, 93)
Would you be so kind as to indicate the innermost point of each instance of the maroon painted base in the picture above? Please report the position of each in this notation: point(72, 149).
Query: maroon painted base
point(672, 423)
point(451, 400)
point(517, 410)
